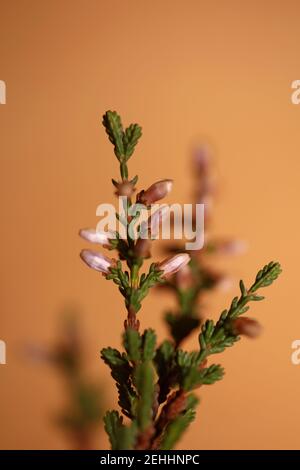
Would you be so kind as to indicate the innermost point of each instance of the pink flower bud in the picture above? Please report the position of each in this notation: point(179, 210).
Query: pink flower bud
point(97, 261)
point(95, 236)
point(157, 191)
point(174, 263)
point(184, 278)
point(247, 327)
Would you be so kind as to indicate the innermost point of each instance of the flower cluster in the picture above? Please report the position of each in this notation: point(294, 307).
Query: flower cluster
point(133, 251)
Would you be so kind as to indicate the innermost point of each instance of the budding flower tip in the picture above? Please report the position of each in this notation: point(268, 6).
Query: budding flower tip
point(169, 184)
point(95, 236)
point(174, 263)
point(247, 326)
point(155, 192)
point(96, 261)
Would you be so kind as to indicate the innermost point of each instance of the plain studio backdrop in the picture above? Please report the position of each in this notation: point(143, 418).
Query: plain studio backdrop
point(184, 70)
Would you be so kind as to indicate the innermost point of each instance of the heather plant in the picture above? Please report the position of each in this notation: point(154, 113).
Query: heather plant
point(156, 383)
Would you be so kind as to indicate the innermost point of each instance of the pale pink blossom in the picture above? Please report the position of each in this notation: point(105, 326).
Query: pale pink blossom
point(97, 261)
point(184, 278)
point(95, 236)
point(174, 263)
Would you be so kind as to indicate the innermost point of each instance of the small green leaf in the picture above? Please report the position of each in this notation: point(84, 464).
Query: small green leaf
point(165, 368)
point(121, 437)
point(126, 437)
point(194, 377)
point(112, 357)
point(132, 344)
point(176, 428)
point(243, 288)
point(266, 276)
point(114, 129)
point(130, 139)
point(191, 401)
point(112, 425)
point(212, 374)
point(144, 382)
point(121, 372)
point(149, 342)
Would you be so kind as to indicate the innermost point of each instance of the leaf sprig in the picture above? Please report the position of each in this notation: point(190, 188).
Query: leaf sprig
point(124, 141)
point(213, 338)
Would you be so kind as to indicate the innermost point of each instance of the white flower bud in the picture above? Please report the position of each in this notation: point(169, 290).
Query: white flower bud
point(94, 236)
point(174, 263)
point(96, 261)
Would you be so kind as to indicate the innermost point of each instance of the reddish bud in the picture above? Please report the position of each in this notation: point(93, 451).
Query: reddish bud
point(156, 192)
point(247, 327)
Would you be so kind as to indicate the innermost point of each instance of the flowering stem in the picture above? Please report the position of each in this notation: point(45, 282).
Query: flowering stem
point(155, 383)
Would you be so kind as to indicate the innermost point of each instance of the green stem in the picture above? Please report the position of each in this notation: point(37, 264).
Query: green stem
point(124, 170)
point(135, 275)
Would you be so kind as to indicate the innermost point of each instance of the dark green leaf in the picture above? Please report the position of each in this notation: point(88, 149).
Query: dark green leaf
point(144, 382)
point(132, 344)
point(113, 126)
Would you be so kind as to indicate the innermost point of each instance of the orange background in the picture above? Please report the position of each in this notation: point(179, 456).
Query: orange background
point(183, 70)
